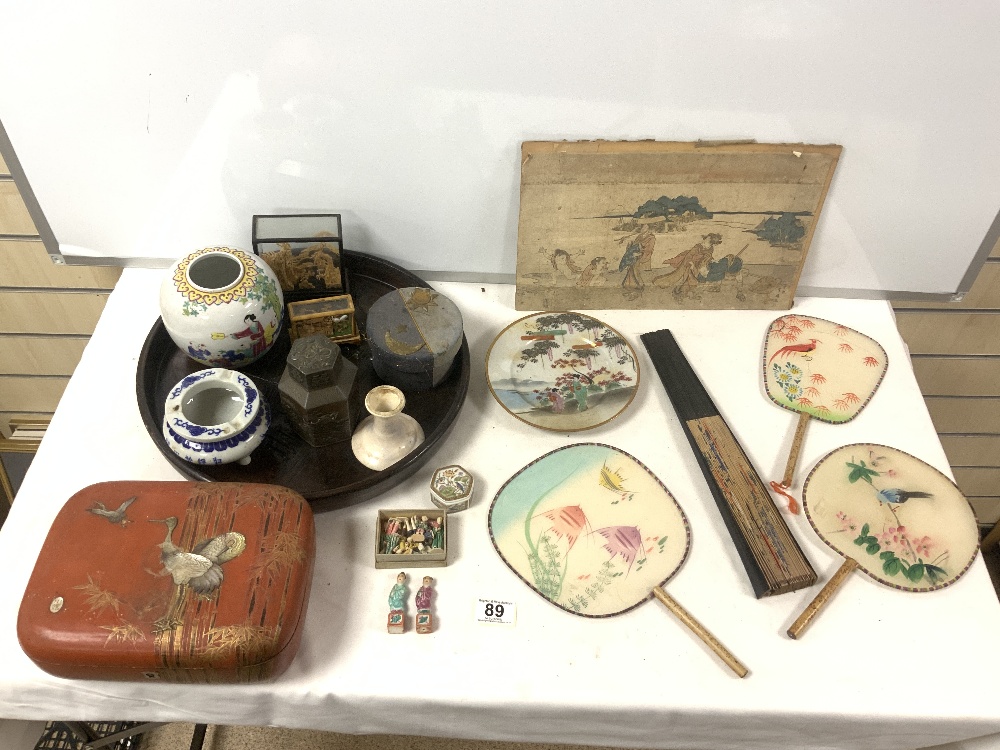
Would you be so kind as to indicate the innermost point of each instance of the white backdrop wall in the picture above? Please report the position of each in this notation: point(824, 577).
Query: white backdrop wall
point(147, 130)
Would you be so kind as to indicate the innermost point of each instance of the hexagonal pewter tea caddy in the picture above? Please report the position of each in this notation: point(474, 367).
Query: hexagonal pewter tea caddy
point(319, 391)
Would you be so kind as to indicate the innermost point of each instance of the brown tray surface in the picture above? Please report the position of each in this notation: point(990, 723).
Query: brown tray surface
point(329, 477)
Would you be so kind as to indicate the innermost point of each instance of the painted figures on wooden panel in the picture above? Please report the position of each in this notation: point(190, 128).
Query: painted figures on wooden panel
point(666, 225)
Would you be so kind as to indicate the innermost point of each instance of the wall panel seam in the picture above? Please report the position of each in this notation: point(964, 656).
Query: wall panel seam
point(978, 398)
point(970, 355)
point(58, 289)
point(946, 311)
point(40, 335)
point(973, 434)
point(32, 376)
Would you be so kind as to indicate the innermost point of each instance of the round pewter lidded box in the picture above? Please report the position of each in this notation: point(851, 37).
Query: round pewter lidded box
point(414, 334)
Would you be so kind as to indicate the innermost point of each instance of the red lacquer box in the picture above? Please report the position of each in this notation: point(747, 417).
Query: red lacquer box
point(174, 581)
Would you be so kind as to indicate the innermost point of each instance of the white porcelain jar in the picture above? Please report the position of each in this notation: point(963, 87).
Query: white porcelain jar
point(215, 416)
point(222, 306)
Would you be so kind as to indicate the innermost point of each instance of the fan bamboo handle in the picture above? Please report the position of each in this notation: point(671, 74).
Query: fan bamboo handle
point(699, 630)
point(822, 598)
point(793, 456)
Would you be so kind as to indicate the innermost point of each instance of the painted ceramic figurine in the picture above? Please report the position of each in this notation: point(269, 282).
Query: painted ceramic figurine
point(397, 605)
point(425, 620)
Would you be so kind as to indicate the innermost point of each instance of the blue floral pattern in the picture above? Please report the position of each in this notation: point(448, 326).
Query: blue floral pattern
point(251, 394)
point(197, 430)
point(195, 452)
point(190, 380)
point(216, 444)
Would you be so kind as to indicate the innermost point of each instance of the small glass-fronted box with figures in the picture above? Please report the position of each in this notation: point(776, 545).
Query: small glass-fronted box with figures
point(331, 316)
point(304, 251)
point(411, 538)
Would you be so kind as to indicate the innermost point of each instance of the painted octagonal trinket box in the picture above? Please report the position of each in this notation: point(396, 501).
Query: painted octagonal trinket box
point(452, 488)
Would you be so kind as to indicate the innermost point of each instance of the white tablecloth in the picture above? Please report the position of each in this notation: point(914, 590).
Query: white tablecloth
point(880, 668)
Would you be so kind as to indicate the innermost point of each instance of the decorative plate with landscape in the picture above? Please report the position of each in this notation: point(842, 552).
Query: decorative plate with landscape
point(562, 371)
point(590, 529)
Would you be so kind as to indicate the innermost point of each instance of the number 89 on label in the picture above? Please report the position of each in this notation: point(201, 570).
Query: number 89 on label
point(495, 612)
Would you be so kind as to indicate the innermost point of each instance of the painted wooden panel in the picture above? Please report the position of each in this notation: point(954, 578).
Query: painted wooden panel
point(34, 355)
point(950, 333)
point(958, 376)
point(972, 450)
point(25, 263)
point(978, 481)
point(50, 312)
point(14, 218)
point(965, 415)
point(30, 394)
point(987, 509)
point(984, 295)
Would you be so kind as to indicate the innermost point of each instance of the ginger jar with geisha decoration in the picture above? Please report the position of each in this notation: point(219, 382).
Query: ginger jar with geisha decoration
point(222, 306)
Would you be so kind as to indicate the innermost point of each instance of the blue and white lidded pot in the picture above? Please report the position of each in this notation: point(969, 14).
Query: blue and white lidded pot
point(215, 416)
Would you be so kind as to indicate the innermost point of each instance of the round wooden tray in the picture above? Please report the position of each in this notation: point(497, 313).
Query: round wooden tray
point(329, 477)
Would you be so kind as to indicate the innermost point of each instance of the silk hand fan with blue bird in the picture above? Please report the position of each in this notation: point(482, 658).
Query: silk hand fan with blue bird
point(898, 519)
point(904, 522)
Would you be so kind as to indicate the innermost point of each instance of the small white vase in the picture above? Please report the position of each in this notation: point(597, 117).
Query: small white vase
point(388, 435)
point(215, 416)
point(222, 306)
